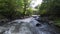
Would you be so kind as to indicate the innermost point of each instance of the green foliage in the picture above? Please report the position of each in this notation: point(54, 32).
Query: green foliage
point(29, 11)
point(57, 21)
point(14, 8)
point(50, 7)
point(7, 8)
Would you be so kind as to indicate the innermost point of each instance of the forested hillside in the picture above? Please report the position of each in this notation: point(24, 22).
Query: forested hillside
point(51, 9)
point(13, 9)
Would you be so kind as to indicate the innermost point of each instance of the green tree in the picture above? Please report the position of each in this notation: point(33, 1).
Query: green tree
point(50, 7)
point(14, 8)
point(7, 8)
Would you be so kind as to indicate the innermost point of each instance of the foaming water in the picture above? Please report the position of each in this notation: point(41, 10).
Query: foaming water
point(27, 26)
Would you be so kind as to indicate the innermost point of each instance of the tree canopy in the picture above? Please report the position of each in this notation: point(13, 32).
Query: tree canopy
point(14, 8)
point(51, 7)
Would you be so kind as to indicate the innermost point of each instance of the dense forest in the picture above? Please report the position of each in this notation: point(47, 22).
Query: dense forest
point(13, 9)
point(16, 9)
point(51, 9)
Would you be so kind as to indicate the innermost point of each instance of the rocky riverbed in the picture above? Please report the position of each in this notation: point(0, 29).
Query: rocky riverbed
point(28, 26)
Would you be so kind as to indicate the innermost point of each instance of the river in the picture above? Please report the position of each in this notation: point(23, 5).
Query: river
point(28, 26)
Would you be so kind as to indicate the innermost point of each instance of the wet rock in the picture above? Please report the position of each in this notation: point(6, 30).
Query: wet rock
point(38, 24)
point(3, 21)
point(51, 22)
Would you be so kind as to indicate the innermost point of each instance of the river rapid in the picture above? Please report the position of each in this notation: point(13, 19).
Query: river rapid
point(28, 26)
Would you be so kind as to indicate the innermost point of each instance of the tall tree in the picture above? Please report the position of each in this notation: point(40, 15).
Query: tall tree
point(26, 5)
point(14, 8)
point(50, 7)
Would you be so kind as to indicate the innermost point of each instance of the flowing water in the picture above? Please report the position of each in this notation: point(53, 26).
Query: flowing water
point(28, 26)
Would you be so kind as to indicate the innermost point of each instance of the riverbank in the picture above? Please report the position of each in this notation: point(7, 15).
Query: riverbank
point(4, 20)
point(48, 20)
